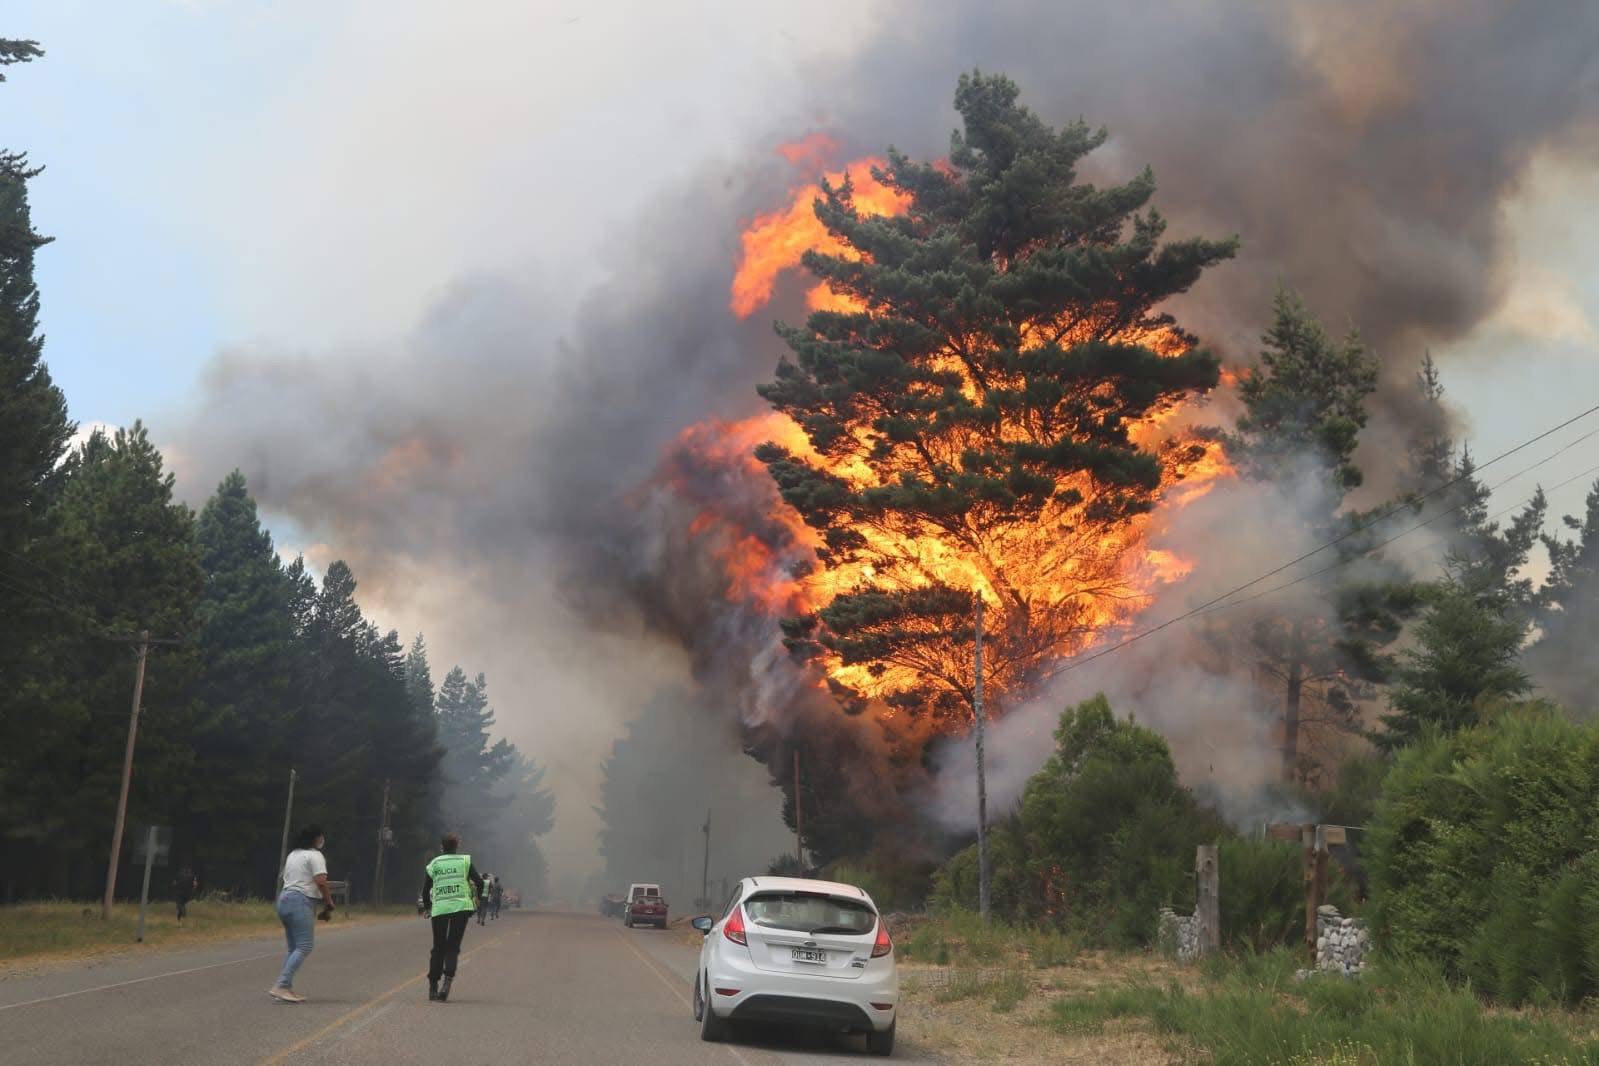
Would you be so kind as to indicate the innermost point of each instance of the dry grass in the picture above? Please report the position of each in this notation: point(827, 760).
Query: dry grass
point(1002, 1012)
point(32, 933)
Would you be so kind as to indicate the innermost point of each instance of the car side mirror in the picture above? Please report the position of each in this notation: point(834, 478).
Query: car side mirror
point(704, 923)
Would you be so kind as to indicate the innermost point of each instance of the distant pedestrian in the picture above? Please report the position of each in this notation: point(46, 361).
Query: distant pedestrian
point(451, 889)
point(483, 899)
point(496, 894)
point(305, 879)
point(185, 887)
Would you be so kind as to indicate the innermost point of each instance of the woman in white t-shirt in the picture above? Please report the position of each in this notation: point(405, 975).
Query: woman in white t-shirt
point(305, 879)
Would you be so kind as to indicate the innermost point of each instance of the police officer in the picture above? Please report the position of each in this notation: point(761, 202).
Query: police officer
point(451, 889)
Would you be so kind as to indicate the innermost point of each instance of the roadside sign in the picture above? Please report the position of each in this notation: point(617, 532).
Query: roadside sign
point(162, 835)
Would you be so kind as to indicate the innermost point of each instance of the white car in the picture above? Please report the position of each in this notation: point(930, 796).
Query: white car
point(789, 949)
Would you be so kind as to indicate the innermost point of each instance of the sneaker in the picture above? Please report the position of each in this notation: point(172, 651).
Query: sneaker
point(285, 995)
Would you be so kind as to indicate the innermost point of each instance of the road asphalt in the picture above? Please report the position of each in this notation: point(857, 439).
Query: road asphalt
point(533, 987)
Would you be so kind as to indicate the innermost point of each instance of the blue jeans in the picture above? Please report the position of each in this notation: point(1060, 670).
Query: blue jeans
point(297, 912)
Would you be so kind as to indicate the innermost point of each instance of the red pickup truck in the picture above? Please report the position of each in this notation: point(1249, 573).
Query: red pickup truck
point(645, 906)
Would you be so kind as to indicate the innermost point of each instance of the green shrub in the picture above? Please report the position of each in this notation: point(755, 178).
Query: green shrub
point(1482, 856)
point(1104, 836)
point(1263, 893)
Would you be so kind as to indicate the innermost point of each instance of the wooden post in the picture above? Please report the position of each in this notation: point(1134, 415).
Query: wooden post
point(127, 777)
point(1208, 908)
point(799, 818)
point(983, 873)
point(1307, 845)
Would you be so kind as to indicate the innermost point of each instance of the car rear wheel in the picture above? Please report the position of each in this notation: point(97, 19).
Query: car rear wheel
point(881, 1043)
point(712, 1029)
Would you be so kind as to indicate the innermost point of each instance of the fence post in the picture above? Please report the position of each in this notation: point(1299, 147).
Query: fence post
point(1207, 910)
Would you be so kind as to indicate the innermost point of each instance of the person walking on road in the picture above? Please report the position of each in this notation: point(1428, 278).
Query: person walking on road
point(483, 900)
point(496, 894)
point(305, 879)
point(451, 890)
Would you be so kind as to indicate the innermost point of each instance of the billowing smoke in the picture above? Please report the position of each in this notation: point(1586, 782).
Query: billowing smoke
point(484, 469)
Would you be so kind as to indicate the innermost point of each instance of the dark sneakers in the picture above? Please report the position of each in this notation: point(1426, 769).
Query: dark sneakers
point(444, 989)
point(433, 990)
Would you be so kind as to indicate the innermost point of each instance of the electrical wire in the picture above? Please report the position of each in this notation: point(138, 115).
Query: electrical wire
point(1381, 516)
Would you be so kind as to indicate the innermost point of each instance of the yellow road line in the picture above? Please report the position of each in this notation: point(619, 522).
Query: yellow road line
point(672, 986)
point(356, 1012)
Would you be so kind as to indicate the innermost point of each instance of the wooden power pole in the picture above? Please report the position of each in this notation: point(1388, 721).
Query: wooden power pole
point(383, 844)
point(705, 870)
point(127, 779)
point(283, 845)
point(982, 784)
point(799, 818)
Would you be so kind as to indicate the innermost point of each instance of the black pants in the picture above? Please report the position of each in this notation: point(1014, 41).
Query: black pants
point(183, 907)
point(448, 929)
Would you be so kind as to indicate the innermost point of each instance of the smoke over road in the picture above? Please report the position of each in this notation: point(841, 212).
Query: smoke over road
point(484, 462)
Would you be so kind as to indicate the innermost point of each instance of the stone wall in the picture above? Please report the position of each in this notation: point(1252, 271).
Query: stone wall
point(1342, 944)
point(1177, 935)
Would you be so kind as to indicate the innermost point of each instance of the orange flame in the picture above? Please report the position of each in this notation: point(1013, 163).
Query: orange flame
point(1074, 587)
point(775, 242)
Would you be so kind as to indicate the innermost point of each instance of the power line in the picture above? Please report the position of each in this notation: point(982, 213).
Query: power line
point(1361, 527)
point(1419, 525)
point(47, 600)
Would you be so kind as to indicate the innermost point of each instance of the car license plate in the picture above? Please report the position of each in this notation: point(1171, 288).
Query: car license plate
point(811, 955)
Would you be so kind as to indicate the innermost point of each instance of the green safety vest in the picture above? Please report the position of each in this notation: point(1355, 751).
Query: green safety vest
point(452, 892)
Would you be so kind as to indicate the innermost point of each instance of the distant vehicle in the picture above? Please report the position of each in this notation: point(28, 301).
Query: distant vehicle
point(799, 952)
point(645, 906)
point(612, 905)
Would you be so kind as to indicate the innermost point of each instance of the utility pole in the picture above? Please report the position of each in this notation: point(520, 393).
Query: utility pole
point(705, 871)
point(383, 843)
point(283, 848)
point(982, 784)
point(127, 779)
point(799, 817)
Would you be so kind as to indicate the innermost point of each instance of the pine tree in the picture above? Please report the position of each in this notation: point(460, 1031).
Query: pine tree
point(418, 676)
point(473, 763)
point(1465, 660)
point(34, 428)
point(126, 552)
point(246, 640)
point(1453, 501)
point(34, 431)
point(972, 421)
point(1567, 613)
point(1304, 409)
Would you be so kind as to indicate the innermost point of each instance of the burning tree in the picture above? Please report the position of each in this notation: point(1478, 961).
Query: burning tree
point(980, 397)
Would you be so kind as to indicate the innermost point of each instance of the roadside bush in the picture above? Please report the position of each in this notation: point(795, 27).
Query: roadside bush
point(1483, 856)
point(1263, 893)
point(1104, 836)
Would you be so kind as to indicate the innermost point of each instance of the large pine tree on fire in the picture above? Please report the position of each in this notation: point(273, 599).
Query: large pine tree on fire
point(981, 420)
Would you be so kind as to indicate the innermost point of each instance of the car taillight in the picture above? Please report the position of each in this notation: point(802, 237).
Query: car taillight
point(883, 945)
point(734, 929)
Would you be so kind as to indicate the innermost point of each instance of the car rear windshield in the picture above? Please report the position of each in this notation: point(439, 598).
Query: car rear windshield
point(810, 912)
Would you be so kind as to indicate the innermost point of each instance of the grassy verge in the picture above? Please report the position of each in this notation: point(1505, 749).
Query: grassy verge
point(1253, 1011)
point(1005, 994)
point(33, 932)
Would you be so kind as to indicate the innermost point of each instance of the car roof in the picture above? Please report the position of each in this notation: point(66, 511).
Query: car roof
point(805, 884)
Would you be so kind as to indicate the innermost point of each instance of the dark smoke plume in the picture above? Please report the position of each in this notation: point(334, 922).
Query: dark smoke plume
point(1362, 151)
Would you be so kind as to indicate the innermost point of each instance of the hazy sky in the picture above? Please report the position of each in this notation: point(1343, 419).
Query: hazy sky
point(315, 177)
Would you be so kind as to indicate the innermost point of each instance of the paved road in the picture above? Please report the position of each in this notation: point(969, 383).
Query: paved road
point(533, 987)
